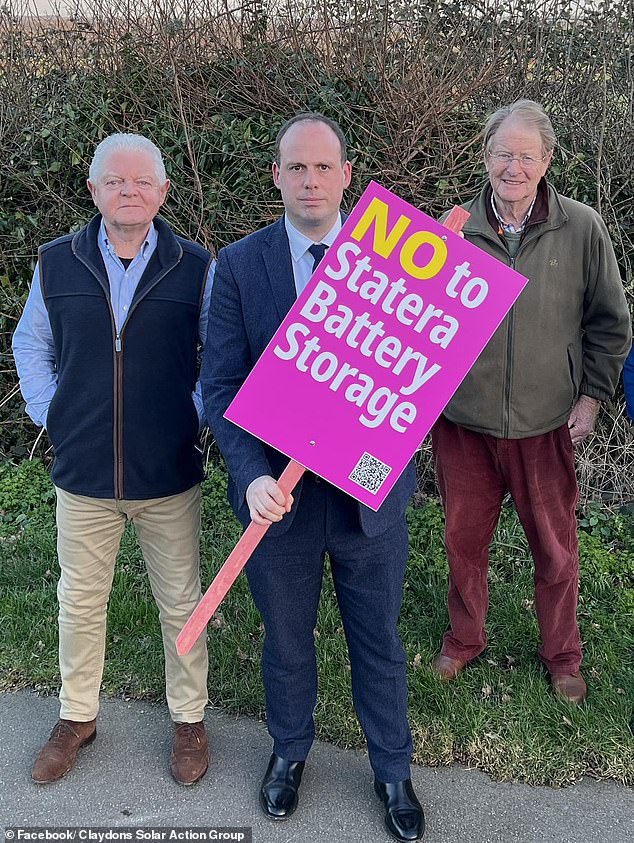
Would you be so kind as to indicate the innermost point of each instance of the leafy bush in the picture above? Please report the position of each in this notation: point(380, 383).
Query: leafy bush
point(211, 82)
point(24, 488)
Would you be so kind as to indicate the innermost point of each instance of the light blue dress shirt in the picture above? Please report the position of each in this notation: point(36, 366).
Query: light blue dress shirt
point(33, 346)
point(302, 259)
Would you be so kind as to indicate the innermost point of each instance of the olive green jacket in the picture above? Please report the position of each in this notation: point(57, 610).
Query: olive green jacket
point(568, 332)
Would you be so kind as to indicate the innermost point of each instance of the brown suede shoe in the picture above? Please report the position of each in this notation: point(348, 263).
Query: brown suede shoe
point(59, 752)
point(446, 668)
point(190, 753)
point(570, 687)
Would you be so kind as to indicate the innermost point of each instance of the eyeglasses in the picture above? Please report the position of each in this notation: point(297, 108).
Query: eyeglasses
point(524, 160)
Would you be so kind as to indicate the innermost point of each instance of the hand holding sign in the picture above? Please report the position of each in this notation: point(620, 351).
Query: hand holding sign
point(266, 501)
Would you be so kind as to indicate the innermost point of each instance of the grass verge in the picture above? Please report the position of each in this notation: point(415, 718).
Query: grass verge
point(499, 715)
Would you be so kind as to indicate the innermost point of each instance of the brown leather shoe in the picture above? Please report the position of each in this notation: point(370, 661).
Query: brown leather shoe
point(59, 752)
point(570, 687)
point(190, 753)
point(446, 668)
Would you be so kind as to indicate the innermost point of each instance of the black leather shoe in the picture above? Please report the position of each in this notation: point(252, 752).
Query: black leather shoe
point(404, 817)
point(278, 794)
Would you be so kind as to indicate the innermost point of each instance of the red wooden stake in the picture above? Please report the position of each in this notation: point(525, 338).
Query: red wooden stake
point(227, 575)
point(253, 534)
point(456, 218)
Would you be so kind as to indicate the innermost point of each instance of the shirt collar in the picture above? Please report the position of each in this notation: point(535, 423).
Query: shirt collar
point(148, 244)
point(507, 226)
point(299, 243)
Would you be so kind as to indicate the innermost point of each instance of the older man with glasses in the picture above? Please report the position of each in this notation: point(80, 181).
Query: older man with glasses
point(532, 395)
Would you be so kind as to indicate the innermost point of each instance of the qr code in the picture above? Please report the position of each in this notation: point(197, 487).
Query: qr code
point(370, 473)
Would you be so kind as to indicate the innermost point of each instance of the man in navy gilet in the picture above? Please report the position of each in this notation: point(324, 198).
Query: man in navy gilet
point(107, 354)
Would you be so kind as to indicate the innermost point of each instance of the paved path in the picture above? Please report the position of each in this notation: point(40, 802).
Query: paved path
point(122, 780)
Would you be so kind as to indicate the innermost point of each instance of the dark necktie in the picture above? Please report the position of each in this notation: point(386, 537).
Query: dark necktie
point(317, 250)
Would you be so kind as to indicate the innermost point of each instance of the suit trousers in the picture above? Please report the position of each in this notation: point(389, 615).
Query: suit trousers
point(285, 576)
point(474, 472)
point(88, 535)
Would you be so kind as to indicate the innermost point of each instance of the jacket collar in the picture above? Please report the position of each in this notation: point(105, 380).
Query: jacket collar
point(85, 246)
point(547, 212)
point(279, 266)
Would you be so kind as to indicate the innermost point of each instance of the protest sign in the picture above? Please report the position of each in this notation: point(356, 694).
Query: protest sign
point(375, 346)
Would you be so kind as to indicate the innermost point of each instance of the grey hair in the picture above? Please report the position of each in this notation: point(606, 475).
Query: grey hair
point(529, 112)
point(125, 141)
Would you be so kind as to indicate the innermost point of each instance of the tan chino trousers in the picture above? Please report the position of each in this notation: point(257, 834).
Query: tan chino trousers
point(89, 533)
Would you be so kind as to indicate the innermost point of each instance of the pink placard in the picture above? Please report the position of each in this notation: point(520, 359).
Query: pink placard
point(375, 346)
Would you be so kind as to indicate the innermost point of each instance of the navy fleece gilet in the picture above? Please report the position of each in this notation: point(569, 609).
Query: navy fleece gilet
point(123, 423)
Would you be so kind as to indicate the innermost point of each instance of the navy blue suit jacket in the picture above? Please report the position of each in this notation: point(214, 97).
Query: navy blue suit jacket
point(253, 290)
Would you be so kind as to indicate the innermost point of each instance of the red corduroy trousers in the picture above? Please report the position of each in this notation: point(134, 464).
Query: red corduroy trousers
point(474, 472)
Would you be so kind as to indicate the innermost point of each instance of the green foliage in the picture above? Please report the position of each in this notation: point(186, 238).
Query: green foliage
point(598, 521)
point(410, 84)
point(25, 490)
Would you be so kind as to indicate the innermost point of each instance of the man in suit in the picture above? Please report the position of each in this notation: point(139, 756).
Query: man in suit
point(256, 282)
